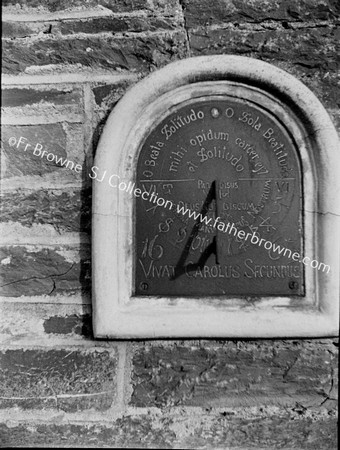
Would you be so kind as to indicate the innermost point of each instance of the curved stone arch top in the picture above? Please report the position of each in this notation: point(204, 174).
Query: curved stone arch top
point(118, 313)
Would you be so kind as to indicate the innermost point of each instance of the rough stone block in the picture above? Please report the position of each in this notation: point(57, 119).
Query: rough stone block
point(118, 25)
point(335, 116)
point(77, 324)
point(110, 24)
point(202, 13)
point(189, 429)
point(34, 270)
point(107, 95)
point(15, 97)
point(235, 374)
point(19, 153)
point(317, 48)
point(61, 5)
point(325, 85)
point(66, 211)
point(63, 317)
point(23, 30)
point(132, 53)
point(69, 380)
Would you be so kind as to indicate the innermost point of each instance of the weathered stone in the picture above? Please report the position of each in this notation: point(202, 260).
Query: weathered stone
point(137, 53)
point(109, 24)
point(61, 5)
point(69, 380)
point(275, 432)
point(22, 29)
point(116, 25)
point(335, 115)
point(187, 430)
point(78, 324)
point(44, 271)
point(19, 161)
point(313, 49)
point(97, 25)
point(23, 97)
point(47, 320)
point(325, 85)
point(235, 374)
point(107, 95)
point(65, 210)
point(202, 13)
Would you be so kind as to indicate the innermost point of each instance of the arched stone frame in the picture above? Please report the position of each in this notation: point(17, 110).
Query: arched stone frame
point(119, 314)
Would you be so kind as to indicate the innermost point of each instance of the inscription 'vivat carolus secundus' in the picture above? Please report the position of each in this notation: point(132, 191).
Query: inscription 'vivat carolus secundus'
point(236, 163)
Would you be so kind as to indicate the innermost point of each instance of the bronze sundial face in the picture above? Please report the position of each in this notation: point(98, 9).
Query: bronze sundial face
point(211, 162)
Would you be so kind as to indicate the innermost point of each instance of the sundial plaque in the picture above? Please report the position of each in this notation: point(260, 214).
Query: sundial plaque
point(233, 166)
point(215, 177)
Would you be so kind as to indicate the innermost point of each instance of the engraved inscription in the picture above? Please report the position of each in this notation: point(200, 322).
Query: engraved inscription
point(219, 160)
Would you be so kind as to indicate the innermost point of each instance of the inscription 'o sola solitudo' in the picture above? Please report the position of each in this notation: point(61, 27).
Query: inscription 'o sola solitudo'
point(180, 121)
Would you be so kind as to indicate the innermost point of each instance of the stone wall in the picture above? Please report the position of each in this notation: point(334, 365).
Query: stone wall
point(66, 63)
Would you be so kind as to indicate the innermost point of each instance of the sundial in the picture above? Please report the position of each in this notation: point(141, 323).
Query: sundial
point(215, 207)
point(218, 161)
